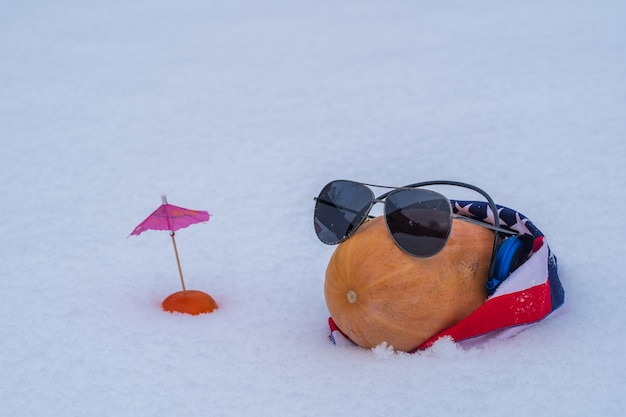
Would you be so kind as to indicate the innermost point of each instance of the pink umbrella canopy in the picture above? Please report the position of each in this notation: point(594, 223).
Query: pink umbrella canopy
point(171, 217)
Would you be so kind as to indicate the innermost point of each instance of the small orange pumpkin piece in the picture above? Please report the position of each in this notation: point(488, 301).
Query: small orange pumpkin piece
point(192, 302)
point(377, 293)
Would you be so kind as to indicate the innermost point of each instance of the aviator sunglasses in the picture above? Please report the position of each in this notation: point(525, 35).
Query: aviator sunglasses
point(419, 220)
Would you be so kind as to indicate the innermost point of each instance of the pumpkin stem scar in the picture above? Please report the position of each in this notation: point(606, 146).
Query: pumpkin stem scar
point(353, 297)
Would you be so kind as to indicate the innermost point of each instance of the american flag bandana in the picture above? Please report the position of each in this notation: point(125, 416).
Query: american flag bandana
point(531, 293)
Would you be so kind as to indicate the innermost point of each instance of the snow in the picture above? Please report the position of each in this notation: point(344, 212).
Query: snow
point(247, 110)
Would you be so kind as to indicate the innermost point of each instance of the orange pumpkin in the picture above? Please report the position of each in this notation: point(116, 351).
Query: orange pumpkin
point(377, 293)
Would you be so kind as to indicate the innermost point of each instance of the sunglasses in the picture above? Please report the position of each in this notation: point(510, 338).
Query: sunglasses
point(419, 220)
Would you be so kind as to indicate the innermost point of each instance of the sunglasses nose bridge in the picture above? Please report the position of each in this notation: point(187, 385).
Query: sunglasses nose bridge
point(376, 201)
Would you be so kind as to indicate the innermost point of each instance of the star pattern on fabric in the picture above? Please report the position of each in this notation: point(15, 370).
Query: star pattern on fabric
point(508, 218)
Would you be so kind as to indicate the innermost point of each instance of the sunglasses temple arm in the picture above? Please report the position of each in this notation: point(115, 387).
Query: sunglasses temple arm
point(487, 225)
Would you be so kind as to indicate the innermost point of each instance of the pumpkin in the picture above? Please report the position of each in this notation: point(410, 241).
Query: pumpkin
point(376, 292)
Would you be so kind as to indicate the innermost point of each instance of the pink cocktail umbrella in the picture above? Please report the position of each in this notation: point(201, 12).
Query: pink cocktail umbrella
point(172, 218)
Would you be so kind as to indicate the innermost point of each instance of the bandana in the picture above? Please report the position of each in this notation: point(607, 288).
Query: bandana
point(531, 293)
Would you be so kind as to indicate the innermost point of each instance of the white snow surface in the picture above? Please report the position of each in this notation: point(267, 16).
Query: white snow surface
point(246, 109)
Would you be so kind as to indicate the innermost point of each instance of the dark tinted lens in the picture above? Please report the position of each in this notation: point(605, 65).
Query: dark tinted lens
point(340, 209)
point(419, 221)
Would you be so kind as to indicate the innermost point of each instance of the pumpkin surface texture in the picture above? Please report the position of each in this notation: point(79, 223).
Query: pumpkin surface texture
point(377, 293)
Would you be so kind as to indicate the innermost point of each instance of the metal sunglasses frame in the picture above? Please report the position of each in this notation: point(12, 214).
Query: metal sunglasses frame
point(381, 199)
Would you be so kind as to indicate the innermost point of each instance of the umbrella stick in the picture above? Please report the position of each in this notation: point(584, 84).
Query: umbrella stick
point(180, 270)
